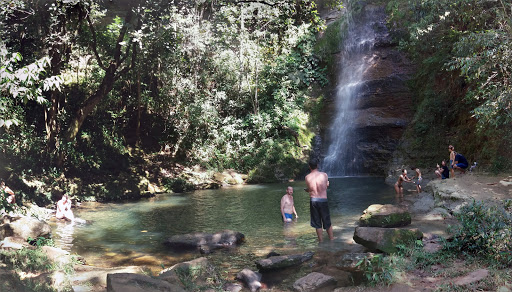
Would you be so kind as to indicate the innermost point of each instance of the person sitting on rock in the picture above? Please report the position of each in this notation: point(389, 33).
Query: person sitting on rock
point(460, 163)
point(11, 199)
point(64, 209)
point(442, 171)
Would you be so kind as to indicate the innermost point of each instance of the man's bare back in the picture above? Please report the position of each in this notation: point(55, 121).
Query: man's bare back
point(317, 183)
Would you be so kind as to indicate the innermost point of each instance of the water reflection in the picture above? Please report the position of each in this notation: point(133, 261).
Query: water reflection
point(64, 235)
point(290, 236)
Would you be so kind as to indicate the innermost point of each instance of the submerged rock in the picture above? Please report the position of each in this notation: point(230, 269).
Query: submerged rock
point(205, 241)
point(284, 261)
point(385, 216)
point(385, 239)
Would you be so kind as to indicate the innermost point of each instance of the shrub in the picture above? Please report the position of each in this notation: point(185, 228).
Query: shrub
point(484, 231)
point(27, 260)
point(377, 269)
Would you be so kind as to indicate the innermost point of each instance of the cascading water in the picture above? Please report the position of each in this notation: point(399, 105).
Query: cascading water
point(343, 157)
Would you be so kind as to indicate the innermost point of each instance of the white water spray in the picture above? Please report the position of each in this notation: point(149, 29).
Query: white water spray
point(343, 158)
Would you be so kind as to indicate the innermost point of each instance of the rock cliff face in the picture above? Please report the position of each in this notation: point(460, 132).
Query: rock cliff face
point(383, 108)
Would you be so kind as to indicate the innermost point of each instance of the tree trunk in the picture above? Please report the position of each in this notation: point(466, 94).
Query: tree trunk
point(58, 50)
point(90, 104)
point(137, 129)
point(112, 72)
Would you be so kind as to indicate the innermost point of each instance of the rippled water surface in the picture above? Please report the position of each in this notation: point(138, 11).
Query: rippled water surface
point(133, 233)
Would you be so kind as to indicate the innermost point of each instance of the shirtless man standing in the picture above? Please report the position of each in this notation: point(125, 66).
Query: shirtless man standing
point(317, 183)
point(287, 206)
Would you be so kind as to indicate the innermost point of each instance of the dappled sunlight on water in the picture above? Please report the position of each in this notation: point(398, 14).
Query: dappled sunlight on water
point(133, 233)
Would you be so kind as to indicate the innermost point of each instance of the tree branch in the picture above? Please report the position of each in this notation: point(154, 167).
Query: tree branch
point(256, 1)
point(94, 45)
point(117, 52)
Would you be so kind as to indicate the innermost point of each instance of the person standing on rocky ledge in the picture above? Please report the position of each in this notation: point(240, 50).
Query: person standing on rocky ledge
point(317, 183)
point(452, 160)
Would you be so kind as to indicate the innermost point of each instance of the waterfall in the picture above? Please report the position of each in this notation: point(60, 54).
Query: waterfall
point(343, 158)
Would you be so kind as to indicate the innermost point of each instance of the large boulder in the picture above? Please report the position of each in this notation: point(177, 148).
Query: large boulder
point(284, 261)
point(385, 216)
point(229, 177)
point(314, 281)
point(205, 241)
point(24, 227)
point(385, 239)
point(250, 278)
point(127, 282)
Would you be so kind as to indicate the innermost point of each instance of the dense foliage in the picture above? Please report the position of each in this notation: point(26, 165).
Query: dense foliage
point(484, 231)
point(215, 83)
point(463, 89)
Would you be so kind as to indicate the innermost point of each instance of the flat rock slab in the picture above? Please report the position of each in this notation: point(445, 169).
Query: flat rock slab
point(89, 278)
point(126, 282)
point(472, 277)
point(15, 243)
point(283, 261)
point(225, 238)
point(424, 204)
point(313, 281)
point(385, 239)
point(378, 215)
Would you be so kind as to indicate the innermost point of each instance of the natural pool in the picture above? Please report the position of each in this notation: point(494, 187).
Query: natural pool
point(132, 233)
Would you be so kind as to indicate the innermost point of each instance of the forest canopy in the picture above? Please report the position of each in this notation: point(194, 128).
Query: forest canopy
point(463, 83)
point(221, 84)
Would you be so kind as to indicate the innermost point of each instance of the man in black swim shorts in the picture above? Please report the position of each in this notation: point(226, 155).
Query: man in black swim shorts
point(317, 183)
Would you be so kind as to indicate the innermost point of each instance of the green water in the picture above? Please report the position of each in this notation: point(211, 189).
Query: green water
point(124, 231)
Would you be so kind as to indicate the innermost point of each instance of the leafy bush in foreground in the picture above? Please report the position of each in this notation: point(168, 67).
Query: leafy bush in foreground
point(484, 231)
